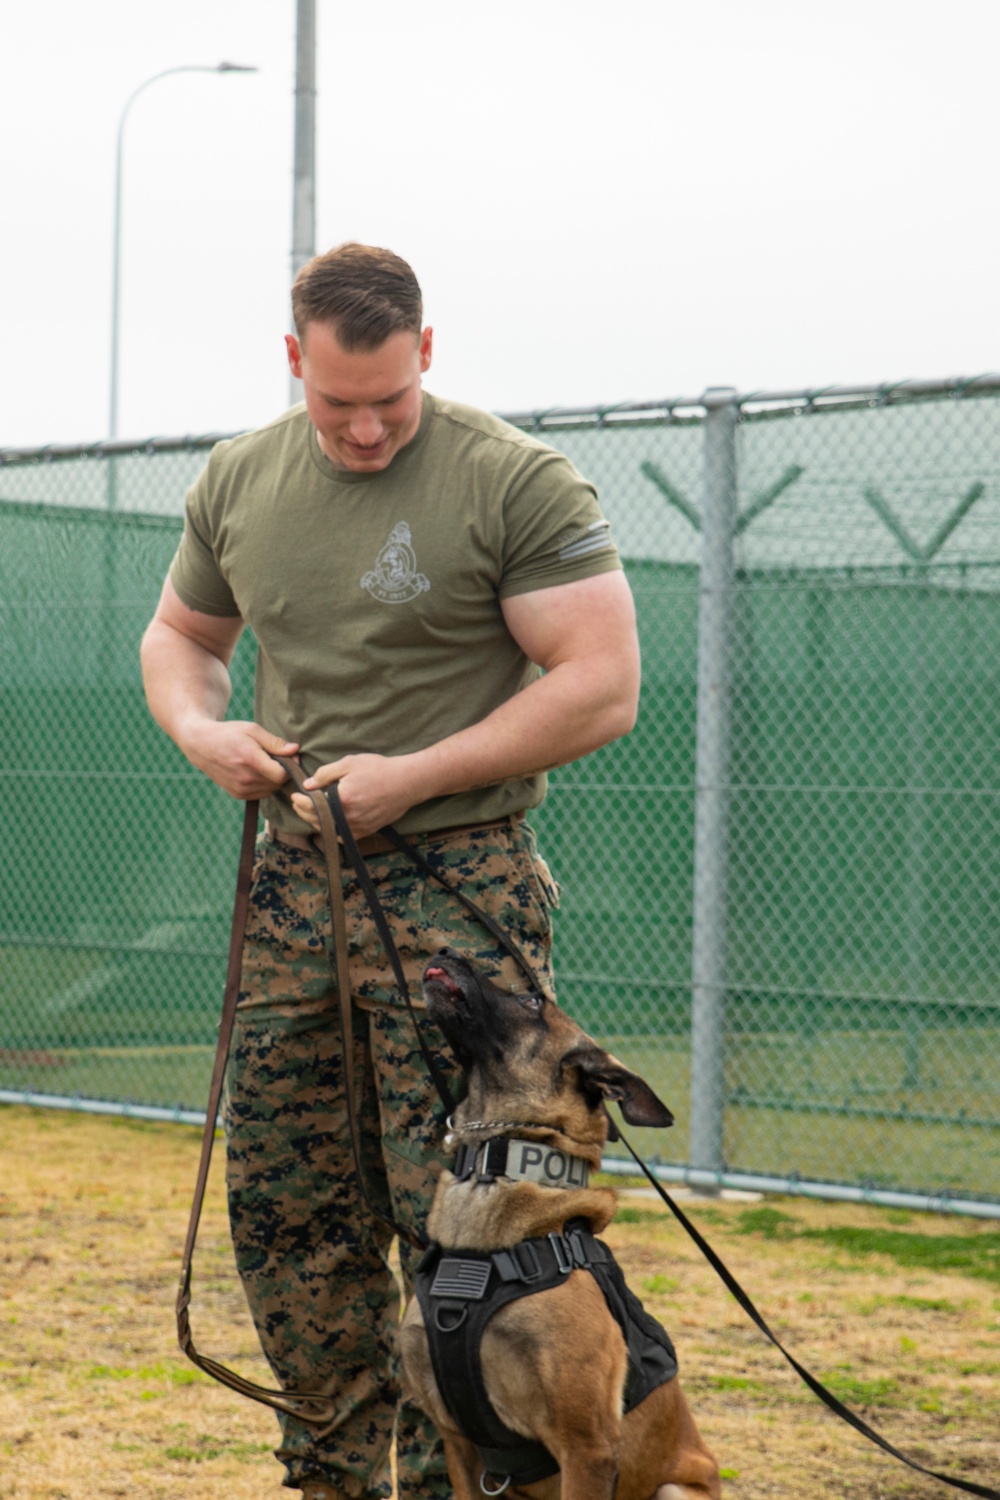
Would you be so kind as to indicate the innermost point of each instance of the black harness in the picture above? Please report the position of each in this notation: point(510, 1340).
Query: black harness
point(459, 1292)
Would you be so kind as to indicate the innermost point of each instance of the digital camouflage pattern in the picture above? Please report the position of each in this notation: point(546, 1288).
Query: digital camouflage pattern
point(312, 1256)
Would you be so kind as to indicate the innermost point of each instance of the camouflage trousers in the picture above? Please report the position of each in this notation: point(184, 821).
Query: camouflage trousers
point(312, 1256)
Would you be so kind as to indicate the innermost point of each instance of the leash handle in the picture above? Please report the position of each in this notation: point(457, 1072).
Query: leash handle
point(818, 1389)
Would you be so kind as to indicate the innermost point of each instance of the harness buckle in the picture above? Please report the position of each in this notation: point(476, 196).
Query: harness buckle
point(494, 1159)
point(578, 1248)
point(527, 1260)
point(563, 1253)
point(465, 1161)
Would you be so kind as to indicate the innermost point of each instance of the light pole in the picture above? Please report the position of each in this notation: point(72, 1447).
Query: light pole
point(304, 179)
point(223, 67)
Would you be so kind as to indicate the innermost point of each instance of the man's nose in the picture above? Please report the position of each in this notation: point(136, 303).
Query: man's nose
point(366, 427)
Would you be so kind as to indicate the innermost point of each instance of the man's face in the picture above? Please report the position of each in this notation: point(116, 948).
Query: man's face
point(364, 405)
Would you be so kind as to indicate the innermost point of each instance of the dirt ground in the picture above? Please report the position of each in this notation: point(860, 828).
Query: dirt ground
point(898, 1313)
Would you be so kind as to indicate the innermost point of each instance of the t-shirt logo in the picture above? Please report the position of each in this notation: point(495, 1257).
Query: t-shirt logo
point(394, 578)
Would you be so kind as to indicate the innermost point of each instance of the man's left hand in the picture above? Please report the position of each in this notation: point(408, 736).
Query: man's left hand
point(374, 789)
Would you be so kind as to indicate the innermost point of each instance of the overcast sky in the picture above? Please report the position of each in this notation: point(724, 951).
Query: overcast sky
point(602, 203)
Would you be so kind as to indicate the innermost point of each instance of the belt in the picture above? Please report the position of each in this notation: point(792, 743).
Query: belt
point(376, 844)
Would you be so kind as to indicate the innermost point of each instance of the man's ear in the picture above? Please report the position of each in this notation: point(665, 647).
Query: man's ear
point(604, 1077)
point(294, 351)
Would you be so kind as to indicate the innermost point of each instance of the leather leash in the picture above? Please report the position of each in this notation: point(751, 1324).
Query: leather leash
point(309, 1407)
point(313, 1407)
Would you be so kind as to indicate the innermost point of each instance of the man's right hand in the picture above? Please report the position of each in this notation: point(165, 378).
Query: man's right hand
point(236, 754)
point(185, 670)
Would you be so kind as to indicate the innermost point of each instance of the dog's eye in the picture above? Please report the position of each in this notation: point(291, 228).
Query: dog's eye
point(531, 1002)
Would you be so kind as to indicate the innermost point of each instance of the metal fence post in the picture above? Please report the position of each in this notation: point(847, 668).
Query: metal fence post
point(708, 977)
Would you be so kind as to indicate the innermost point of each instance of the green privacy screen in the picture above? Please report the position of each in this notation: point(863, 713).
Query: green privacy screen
point(810, 804)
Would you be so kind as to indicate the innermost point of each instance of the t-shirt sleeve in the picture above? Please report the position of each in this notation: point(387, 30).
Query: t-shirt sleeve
point(554, 530)
point(194, 572)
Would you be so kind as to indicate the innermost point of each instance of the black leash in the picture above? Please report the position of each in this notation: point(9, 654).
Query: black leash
point(481, 916)
point(818, 1389)
point(313, 1407)
point(358, 864)
point(722, 1271)
point(366, 883)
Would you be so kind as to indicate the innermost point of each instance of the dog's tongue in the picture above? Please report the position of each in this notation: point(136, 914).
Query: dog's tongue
point(442, 977)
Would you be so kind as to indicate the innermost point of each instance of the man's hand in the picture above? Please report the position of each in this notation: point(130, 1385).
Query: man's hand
point(374, 789)
point(185, 668)
point(235, 755)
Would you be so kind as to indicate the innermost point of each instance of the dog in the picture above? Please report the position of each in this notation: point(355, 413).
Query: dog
point(553, 1365)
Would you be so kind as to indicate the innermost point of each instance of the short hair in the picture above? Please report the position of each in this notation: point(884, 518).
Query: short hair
point(367, 293)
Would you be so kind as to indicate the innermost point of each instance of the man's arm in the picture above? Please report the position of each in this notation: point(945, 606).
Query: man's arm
point(583, 635)
point(185, 670)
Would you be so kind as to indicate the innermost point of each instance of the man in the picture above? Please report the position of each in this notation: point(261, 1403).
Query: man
point(440, 616)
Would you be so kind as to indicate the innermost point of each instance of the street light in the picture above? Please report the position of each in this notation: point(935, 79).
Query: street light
point(223, 67)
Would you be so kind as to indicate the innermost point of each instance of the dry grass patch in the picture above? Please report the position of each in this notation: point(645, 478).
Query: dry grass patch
point(95, 1398)
point(900, 1314)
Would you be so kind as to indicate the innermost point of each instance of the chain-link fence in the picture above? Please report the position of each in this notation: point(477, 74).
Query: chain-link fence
point(780, 893)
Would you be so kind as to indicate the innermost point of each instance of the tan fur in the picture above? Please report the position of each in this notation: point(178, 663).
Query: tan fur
point(468, 1216)
point(554, 1364)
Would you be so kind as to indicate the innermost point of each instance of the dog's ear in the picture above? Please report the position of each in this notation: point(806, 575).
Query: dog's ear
point(604, 1077)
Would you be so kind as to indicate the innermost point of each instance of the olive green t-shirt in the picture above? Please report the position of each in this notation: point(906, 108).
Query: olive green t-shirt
point(375, 598)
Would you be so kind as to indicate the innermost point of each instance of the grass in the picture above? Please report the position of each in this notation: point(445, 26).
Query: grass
point(973, 1255)
point(902, 1319)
